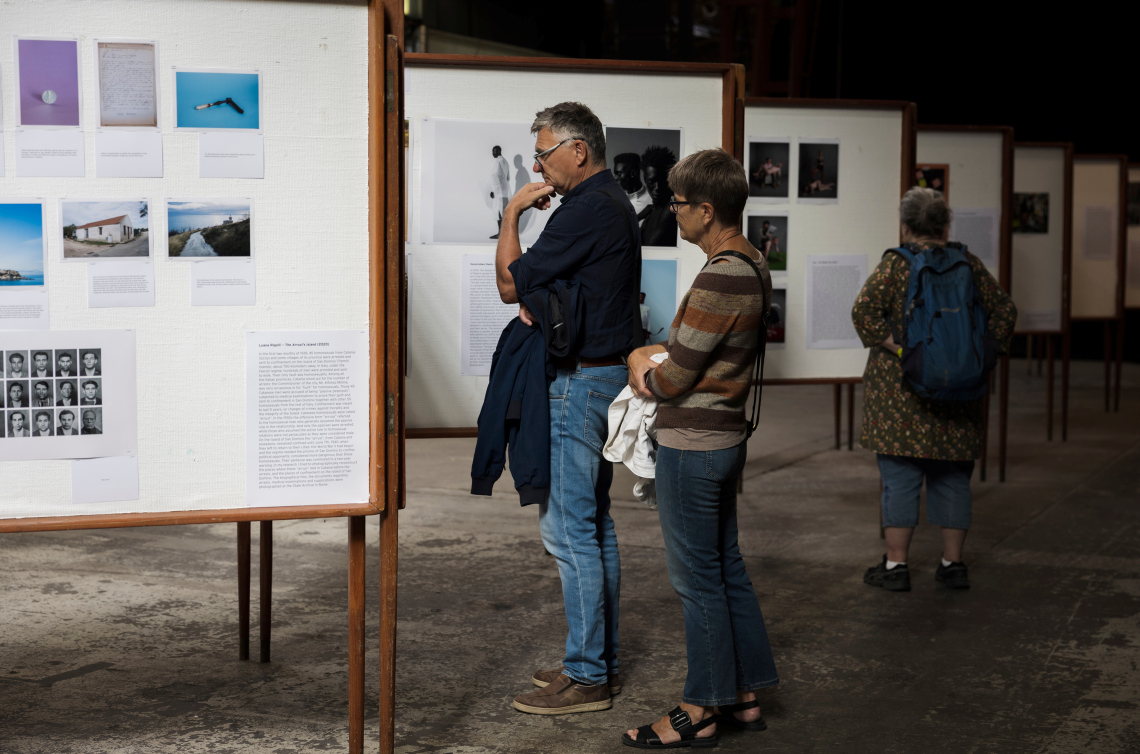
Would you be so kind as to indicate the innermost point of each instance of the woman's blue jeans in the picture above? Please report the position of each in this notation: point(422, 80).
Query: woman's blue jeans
point(575, 519)
point(727, 642)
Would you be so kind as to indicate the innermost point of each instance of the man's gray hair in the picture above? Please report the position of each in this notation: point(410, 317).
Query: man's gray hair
point(573, 120)
point(925, 212)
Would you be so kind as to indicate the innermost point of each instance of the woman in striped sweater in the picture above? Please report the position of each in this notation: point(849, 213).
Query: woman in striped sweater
point(702, 431)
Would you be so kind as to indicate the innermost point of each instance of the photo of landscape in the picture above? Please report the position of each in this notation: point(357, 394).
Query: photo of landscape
point(105, 229)
point(208, 228)
point(21, 244)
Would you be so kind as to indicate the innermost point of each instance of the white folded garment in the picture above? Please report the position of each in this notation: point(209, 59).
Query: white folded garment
point(632, 438)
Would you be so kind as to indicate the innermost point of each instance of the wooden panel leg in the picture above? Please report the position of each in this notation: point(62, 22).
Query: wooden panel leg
point(243, 589)
point(266, 553)
point(1107, 364)
point(838, 399)
point(850, 415)
point(1049, 390)
point(1119, 363)
point(356, 613)
point(389, 544)
point(985, 436)
point(1066, 345)
point(1003, 415)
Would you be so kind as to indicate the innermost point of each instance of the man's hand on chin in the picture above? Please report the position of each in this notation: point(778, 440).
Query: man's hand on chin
point(535, 195)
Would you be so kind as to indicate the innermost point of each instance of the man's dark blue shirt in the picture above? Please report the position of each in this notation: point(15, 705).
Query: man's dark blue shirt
point(593, 238)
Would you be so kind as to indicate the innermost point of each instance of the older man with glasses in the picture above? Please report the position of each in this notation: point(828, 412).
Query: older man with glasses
point(592, 237)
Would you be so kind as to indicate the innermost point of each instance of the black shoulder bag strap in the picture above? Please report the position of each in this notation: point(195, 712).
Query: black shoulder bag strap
point(758, 379)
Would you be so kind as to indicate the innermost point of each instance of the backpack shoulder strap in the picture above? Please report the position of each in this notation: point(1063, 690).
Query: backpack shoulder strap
point(903, 252)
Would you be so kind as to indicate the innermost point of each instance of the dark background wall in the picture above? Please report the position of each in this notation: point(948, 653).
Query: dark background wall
point(1053, 75)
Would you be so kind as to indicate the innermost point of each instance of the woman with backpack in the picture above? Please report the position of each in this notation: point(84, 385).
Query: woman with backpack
point(702, 431)
point(934, 319)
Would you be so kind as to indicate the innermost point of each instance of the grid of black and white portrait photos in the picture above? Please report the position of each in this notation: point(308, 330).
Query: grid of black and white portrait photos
point(52, 392)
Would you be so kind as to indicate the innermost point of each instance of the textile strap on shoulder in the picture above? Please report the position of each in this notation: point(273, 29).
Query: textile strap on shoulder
point(762, 337)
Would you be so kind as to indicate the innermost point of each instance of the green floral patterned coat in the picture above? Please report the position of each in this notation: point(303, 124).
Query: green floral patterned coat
point(895, 420)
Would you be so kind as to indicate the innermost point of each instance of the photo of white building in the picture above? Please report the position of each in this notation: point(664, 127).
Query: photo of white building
point(111, 230)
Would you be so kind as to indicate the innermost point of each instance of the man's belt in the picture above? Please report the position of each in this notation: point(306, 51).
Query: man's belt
point(571, 362)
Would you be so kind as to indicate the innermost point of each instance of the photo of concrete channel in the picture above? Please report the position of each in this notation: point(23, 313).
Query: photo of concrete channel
point(208, 228)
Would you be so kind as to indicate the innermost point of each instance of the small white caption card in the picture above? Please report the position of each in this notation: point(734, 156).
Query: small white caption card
point(231, 155)
point(24, 309)
point(49, 154)
point(105, 480)
point(129, 283)
point(223, 283)
point(128, 154)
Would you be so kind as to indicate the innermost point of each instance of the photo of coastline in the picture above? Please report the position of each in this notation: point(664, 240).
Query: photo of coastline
point(21, 244)
point(105, 230)
point(208, 228)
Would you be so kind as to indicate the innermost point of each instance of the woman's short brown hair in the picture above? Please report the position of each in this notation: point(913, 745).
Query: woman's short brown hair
point(713, 176)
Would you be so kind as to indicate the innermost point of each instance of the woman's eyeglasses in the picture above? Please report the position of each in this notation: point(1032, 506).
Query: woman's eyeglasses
point(674, 204)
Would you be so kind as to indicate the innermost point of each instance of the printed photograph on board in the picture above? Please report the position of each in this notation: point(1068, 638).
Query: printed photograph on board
point(94, 230)
point(769, 234)
point(935, 177)
point(21, 244)
point(777, 318)
point(48, 82)
point(1134, 204)
point(205, 99)
point(66, 423)
point(768, 166)
point(819, 172)
point(208, 228)
point(18, 424)
point(16, 365)
point(469, 172)
point(641, 159)
point(41, 365)
point(1030, 213)
point(658, 298)
point(128, 84)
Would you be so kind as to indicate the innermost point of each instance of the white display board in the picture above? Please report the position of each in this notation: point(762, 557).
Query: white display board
point(437, 394)
point(311, 229)
point(863, 222)
point(1038, 257)
point(1132, 275)
point(1097, 243)
point(975, 186)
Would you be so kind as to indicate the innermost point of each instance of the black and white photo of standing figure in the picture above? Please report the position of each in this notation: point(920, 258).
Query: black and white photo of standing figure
point(819, 172)
point(469, 171)
point(768, 169)
point(640, 159)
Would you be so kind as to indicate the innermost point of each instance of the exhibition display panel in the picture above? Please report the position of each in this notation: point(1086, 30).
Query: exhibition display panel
point(1100, 225)
point(469, 148)
point(843, 164)
point(1042, 258)
point(973, 167)
point(1132, 268)
point(233, 336)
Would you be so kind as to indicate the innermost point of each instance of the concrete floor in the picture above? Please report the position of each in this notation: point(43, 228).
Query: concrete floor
point(125, 640)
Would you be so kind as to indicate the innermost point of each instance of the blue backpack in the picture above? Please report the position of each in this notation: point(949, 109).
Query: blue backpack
point(948, 351)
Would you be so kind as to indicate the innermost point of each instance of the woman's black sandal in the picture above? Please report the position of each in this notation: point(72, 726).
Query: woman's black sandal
point(647, 738)
point(724, 715)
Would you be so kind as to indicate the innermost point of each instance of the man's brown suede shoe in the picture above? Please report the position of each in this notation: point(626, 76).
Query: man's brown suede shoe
point(562, 696)
point(542, 677)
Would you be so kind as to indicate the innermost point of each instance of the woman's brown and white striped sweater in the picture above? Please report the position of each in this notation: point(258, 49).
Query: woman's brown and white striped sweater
point(705, 381)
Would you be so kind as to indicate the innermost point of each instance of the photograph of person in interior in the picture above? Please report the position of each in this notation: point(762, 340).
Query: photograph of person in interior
point(767, 164)
point(769, 234)
point(819, 170)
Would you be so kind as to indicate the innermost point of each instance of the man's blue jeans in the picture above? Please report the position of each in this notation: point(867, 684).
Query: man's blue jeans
point(727, 642)
point(575, 519)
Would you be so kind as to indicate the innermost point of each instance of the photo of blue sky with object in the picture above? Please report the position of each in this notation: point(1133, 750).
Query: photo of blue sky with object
point(195, 88)
point(204, 214)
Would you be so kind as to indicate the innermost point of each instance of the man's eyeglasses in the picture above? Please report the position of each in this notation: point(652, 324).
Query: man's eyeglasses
point(674, 204)
point(539, 157)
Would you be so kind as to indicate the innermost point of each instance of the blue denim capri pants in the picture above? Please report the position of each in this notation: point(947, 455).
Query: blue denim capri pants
point(948, 499)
